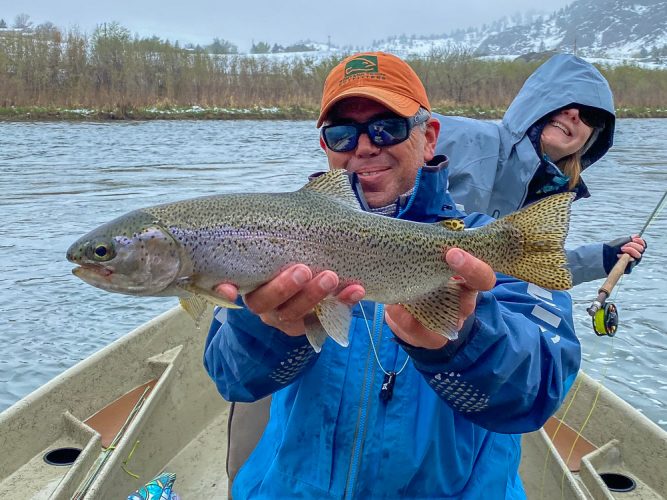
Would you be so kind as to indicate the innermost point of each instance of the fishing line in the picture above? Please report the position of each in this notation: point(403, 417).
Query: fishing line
point(590, 413)
point(552, 439)
point(604, 313)
point(603, 325)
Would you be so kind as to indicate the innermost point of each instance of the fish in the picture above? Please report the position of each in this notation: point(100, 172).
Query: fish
point(188, 247)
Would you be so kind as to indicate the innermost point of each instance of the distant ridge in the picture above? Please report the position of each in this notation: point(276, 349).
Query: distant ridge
point(614, 29)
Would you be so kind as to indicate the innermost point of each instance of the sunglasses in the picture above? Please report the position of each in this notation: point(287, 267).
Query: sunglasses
point(382, 132)
point(592, 117)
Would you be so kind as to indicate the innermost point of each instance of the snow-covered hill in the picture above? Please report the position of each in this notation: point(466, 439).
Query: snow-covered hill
point(611, 29)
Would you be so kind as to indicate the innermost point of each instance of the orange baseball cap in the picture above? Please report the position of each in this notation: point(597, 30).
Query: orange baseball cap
point(382, 77)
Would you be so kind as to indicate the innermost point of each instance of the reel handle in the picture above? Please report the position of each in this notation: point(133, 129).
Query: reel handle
point(606, 288)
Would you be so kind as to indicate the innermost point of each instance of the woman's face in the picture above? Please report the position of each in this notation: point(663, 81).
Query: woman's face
point(564, 134)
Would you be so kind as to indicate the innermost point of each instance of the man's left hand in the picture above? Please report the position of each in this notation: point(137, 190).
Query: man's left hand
point(474, 275)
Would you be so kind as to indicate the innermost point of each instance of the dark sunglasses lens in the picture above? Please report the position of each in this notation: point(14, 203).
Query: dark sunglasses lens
point(340, 138)
point(592, 118)
point(388, 131)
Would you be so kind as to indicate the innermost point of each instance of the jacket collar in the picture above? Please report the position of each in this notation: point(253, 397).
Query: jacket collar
point(430, 200)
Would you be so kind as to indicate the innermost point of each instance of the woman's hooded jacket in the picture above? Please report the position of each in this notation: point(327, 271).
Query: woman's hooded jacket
point(492, 164)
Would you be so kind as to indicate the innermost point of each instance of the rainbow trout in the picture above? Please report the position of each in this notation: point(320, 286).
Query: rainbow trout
point(186, 248)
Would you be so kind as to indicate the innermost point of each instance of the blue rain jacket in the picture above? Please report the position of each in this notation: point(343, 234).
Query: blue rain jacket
point(451, 428)
point(491, 164)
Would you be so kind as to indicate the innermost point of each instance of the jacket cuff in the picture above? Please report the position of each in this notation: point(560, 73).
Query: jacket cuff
point(425, 356)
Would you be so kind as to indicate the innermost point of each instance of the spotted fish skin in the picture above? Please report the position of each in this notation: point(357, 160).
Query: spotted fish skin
point(188, 247)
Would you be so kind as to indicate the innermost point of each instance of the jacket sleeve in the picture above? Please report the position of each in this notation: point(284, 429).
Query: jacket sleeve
point(586, 263)
point(248, 359)
point(513, 369)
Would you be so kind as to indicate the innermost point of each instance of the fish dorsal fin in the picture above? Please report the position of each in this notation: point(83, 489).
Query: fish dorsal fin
point(438, 310)
point(335, 184)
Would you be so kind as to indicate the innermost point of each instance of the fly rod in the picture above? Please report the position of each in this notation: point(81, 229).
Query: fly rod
point(605, 315)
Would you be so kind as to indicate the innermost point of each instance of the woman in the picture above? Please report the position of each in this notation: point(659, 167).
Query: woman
point(561, 122)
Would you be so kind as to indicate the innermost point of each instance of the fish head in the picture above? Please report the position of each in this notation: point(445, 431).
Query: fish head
point(133, 255)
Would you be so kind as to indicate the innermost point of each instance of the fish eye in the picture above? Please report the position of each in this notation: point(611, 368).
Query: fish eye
point(103, 252)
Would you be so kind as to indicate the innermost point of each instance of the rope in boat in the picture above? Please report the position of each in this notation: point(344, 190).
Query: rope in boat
point(104, 456)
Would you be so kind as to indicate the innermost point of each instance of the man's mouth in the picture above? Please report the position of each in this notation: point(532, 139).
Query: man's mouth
point(371, 173)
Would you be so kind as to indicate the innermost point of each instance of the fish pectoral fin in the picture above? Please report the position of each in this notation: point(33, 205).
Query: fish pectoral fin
point(438, 310)
point(195, 306)
point(198, 299)
point(333, 319)
point(209, 296)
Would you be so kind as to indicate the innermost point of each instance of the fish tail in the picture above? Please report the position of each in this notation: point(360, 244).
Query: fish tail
point(538, 231)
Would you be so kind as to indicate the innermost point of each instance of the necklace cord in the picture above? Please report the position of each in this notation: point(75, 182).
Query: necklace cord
point(377, 358)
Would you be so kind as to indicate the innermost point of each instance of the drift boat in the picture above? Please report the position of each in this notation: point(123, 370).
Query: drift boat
point(144, 405)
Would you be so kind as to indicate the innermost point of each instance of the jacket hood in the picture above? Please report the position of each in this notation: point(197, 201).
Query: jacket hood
point(561, 81)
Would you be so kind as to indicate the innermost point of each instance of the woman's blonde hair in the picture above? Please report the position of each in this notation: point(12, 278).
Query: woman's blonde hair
point(571, 166)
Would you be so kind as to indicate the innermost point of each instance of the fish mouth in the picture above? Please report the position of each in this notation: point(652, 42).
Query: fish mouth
point(92, 270)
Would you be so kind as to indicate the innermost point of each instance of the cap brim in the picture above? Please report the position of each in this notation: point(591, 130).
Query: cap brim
point(399, 104)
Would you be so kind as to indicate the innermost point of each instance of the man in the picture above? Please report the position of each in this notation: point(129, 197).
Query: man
point(402, 412)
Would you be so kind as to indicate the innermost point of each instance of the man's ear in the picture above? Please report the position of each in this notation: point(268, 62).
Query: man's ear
point(431, 136)
point(323, 144)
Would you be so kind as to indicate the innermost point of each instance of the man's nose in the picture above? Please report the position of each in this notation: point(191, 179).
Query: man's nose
point(365, 147)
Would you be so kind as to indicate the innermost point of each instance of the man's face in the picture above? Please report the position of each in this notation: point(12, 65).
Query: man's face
point(388, 172)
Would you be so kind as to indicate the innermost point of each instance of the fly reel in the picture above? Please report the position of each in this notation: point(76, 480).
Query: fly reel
point(605, 320)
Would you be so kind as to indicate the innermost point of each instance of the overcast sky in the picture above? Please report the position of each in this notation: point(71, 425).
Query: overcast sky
point(278, 21)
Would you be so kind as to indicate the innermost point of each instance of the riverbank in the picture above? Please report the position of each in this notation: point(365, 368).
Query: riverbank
point(36, 113)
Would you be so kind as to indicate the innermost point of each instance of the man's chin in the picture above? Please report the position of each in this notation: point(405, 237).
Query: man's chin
point(377, 200)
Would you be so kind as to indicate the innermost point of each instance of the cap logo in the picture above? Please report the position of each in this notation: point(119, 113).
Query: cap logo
point(361, 64)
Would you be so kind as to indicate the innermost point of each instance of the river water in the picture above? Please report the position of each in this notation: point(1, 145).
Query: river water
point(59, 180)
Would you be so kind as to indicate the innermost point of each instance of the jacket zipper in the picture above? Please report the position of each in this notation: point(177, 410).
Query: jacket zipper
point(360, 431)
point(369, 378)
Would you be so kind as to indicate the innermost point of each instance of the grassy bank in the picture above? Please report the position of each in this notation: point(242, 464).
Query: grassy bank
point(35, 113)
point(55, 75)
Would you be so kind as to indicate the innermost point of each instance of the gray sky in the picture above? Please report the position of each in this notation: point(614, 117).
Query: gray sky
point(277, 21)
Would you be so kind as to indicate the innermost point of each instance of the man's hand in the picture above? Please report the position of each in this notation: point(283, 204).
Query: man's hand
point(475, 276)
point(286, 299)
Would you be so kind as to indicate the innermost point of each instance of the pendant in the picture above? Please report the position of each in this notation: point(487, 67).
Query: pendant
point(387, 390)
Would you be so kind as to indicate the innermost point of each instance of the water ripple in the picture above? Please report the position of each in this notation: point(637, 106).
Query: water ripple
point(59, 180)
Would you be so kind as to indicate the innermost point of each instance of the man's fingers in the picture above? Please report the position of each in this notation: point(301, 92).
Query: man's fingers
point(277, 291)
point(477, 274)
point(227, 291)
point(467, 305)
point(314, 292)
point(351, 294)
point(408, 329)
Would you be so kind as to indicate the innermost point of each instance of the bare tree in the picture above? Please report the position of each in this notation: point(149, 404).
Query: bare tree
point(22, 22)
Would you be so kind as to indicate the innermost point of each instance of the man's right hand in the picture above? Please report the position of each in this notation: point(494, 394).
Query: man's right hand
point(284, 301)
